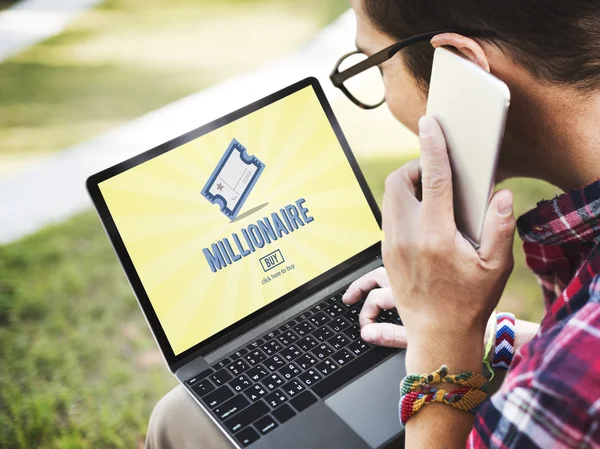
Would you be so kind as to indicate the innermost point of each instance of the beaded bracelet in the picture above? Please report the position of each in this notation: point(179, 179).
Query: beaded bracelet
point(504, 349)
point(466, 399)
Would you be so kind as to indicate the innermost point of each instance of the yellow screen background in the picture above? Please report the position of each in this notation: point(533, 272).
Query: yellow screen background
point(165, 222)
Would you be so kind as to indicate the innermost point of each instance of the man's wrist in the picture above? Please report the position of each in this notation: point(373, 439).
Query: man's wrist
point(525, 331)
point(425, 355)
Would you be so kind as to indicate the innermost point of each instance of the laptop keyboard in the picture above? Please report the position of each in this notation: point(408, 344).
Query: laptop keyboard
point(259, 387)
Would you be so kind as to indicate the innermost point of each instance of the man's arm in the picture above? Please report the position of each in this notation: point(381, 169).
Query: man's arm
point(452, 427)
point(524, 332)
point(443, 288)
point(439, 425)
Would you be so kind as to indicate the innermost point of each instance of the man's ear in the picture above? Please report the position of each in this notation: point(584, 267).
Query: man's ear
point(465, 45)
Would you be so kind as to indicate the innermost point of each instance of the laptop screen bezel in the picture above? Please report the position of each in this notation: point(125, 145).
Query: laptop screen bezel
point(238, 328)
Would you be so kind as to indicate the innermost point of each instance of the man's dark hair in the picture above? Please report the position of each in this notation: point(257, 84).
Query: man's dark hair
point(556, 40)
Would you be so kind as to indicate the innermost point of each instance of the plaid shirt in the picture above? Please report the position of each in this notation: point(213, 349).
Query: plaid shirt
point(550, 397)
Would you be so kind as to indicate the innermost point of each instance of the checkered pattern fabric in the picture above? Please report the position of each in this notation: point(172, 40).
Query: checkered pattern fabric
point(551, 395)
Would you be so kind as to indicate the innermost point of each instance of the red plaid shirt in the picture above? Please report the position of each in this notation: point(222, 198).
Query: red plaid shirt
point(551, 395)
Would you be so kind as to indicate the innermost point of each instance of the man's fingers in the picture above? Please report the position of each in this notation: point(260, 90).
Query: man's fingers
point(384, 334)
point(377, 300)
point(498, 229)
point(436, 177)
point(400, 202)
point(407, 178)
point(363, 285)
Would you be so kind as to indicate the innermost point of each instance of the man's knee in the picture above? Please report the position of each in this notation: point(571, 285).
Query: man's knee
point(177, 422)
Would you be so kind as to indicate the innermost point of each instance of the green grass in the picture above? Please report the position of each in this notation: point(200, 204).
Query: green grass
point(78, 365)
point(6, 4)
point(72, 344)
point(129, 57)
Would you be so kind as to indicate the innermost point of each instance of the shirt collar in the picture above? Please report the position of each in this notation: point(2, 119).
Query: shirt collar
point(569, 219)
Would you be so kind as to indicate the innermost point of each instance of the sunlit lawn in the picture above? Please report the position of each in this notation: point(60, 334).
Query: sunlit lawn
point(6, 3)
point(128, 57)
point(72, 344)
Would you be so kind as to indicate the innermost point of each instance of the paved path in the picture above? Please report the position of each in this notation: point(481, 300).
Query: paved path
point(31, 21)
point(53, 190)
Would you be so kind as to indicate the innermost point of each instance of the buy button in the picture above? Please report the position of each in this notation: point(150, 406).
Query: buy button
point(271, 260)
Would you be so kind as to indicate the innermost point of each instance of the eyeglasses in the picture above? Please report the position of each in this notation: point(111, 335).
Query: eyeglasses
point(367, 91)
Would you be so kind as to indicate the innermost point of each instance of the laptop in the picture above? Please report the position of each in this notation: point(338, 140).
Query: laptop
point(239, 239)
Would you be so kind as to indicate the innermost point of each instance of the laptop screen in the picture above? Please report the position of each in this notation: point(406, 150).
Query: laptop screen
point(225, 224)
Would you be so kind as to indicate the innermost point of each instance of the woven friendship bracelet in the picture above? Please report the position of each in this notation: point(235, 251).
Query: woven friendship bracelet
point(504, 349)
point(414, 382)
point(466, 399)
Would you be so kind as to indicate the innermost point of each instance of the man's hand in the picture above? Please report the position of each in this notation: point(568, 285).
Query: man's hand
point(376, 288)
point(444, 289)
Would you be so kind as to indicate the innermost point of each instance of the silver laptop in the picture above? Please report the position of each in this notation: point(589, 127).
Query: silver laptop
point(239, 239)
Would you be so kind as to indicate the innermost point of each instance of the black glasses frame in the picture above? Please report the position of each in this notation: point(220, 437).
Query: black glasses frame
point(338, 78)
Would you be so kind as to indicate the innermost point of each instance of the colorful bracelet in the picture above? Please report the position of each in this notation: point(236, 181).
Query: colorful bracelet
point(416, 382)
point(504, 349)
point(416, 391)
point(466, 399)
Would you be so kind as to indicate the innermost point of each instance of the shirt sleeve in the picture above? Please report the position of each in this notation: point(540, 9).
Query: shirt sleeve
point(550, 397)
point(530, 418)
point(592, 437)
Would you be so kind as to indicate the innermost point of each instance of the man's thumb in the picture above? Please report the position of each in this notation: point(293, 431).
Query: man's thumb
point(498, 229)
point(384, 334)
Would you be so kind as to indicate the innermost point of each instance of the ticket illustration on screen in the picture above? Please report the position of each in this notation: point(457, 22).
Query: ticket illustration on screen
point(233, 179)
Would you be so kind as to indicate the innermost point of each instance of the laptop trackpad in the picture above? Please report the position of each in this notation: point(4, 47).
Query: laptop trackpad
point(369, 405)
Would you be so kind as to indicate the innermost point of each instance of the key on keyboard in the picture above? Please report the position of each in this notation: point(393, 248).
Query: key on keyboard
point(283, 413)
point(265, 424)
point(203, 387)
point(221, 377)
point(218, 396)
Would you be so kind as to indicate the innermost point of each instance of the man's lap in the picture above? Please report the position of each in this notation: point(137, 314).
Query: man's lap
point(178, 422)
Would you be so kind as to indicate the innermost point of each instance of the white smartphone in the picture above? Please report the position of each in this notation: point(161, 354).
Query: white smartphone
point(471, 106)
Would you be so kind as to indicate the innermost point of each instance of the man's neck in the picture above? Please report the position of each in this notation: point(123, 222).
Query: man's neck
point(569, 149)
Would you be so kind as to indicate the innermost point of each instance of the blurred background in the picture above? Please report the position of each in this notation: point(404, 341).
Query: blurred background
point(87, 83)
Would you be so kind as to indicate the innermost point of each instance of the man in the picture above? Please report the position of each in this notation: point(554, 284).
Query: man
point(548, 53)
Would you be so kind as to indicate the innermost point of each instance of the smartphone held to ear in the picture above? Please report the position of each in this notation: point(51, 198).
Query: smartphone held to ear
point(471, 106)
